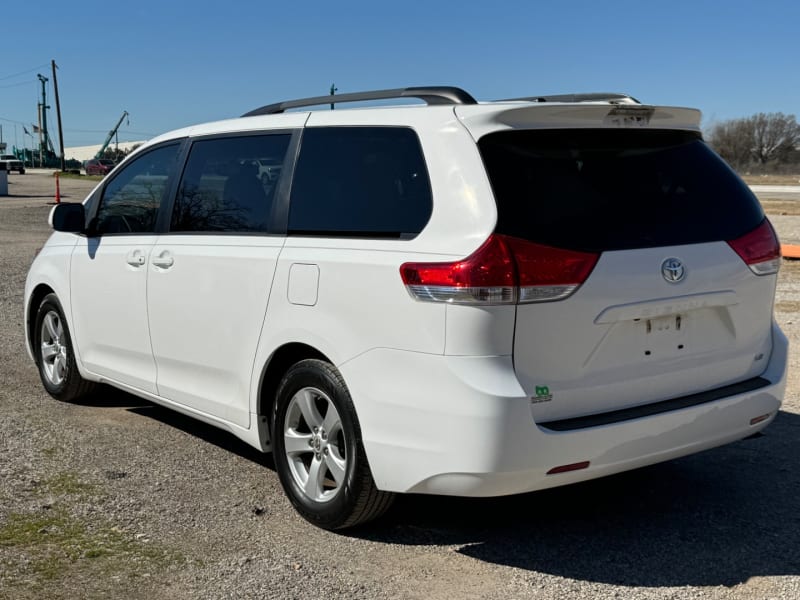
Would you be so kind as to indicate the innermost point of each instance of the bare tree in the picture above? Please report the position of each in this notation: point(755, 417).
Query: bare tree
point(732, 140)
point(775, 135)
point(765, 139)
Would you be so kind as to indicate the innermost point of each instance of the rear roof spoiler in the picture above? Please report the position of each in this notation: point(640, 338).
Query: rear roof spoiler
point(611, 97)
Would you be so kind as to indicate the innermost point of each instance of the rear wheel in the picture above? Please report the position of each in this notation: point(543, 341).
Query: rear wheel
point(54, 353)
point(318, 451)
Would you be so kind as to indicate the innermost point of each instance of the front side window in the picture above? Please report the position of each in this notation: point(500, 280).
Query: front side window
point(229, 184)
point(360, 182)
point(131, 200)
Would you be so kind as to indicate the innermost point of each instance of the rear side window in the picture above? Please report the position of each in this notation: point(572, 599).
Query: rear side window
point(360, 181)
point(603, 190)
point(132, 199)
point(229, 184)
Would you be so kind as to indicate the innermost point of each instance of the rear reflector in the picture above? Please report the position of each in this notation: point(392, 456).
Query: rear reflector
point(504, 270)
point(759, 249)
point(567, 468)
point(757, 420)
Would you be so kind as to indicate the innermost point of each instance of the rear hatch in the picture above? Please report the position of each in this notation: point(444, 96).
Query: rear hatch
point(671, 306)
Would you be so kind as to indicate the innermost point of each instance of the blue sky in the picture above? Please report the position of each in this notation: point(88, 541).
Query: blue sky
point(175, 63)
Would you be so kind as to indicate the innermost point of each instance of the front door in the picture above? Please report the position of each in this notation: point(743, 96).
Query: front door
point(109, 273)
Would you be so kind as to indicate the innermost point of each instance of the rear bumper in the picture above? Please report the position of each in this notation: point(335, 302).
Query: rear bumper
point(463, 426)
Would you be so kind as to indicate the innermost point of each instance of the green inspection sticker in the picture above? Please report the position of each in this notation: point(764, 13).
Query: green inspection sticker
point(542, 394)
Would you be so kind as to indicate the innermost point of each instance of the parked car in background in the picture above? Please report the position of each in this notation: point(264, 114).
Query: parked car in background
point(99, 166)
point(269, 169)
point(13, 163)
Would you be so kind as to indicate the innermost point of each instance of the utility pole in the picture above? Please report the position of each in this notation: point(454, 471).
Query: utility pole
point(58, 113)
point(43, 119)
point(41, 144)
point(334, 89)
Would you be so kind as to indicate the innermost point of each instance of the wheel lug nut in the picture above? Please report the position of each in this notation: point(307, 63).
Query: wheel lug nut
point(311, 443)
point(325, 452)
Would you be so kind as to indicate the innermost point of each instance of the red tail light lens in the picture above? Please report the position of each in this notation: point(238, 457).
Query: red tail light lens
point(504, 270)
point(547, 273)
point(568, 468)
point(759, 249)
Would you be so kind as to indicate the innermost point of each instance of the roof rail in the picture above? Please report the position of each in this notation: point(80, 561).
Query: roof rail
point(614, 98)
point(436, 95)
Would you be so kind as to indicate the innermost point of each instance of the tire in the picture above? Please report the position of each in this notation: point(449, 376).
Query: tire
point(318, 451)
point(55, 356)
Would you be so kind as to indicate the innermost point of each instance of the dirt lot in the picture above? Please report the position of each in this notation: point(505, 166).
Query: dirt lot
point(785, 179)
point(117, 498)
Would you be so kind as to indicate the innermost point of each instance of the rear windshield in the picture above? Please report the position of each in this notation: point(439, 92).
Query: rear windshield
point(613, 190)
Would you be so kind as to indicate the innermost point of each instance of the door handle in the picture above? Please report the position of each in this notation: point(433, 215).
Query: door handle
point(135, 258)
point(163, 260)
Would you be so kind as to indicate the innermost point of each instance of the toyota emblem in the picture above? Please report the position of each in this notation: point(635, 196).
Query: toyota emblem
point(673, 270)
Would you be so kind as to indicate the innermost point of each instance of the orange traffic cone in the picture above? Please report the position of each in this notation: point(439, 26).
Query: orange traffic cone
point(58, 190)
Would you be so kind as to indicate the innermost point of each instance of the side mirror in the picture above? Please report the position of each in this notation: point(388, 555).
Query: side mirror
point(69, 217)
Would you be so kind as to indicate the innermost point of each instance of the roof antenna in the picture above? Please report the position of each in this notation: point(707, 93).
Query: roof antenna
point(334, 89)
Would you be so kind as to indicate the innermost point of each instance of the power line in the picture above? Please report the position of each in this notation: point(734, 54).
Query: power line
point(14, 121)
point(11, 85)
point(25, 72)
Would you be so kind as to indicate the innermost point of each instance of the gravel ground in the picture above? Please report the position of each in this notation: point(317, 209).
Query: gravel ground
point(118, 498)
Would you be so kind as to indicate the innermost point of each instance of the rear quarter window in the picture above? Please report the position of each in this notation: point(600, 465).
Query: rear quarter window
point(600, 190)
point(360, 182)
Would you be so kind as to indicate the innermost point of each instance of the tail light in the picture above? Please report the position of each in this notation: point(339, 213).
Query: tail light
point(759, 249)
point(504, 270)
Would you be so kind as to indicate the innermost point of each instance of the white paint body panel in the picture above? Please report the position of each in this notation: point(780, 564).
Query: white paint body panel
point(595, 356)
point(50, 268)
point(109, 308)
point(463, 426)
point(206, 313)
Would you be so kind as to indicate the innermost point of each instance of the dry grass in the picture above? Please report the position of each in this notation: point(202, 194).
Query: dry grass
point(771, 179)
point(781, 207)
point(790, 270)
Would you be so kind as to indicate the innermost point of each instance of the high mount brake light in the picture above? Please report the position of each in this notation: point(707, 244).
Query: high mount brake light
point(504, 270)
point(759, 249)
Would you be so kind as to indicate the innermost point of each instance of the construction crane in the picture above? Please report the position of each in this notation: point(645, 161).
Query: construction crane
point(111, 134)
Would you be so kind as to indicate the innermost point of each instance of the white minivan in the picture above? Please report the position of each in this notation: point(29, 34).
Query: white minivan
point(455, 297)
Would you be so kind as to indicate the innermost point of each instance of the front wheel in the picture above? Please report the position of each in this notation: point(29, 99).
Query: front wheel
point(55, 356)
point(318, 451)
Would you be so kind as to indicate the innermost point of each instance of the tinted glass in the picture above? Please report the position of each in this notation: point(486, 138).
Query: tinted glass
point(229, 184)
point(131, 200)
point(613, 190)
point(360, 181)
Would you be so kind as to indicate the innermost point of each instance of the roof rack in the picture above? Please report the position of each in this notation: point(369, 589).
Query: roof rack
point(614, 98)
point(436, 95)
